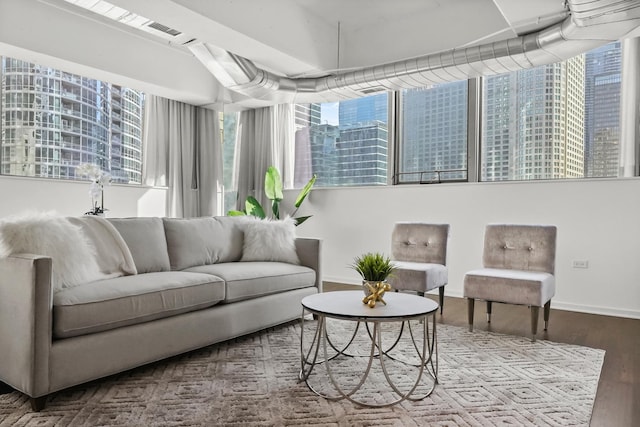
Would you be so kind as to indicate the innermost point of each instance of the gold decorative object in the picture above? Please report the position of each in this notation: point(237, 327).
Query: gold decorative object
point(375, 292)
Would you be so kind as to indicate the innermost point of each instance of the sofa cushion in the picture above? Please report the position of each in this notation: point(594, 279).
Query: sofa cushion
point(245, 280)
point(146, 241)
point(510, 286)
point(112, 303)
point(418, 276)
point(199, 241)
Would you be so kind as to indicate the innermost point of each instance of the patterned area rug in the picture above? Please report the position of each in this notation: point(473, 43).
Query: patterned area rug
point(484, 379)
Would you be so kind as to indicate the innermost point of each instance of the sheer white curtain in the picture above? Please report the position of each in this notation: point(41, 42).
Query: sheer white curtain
point(266, 137)
point(183, 152)
point(285, 136)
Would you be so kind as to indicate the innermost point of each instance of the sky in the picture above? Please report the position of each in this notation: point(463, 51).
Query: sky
point(329, 113)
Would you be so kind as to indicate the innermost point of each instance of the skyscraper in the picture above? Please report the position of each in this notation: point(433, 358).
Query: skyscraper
point(533, 124)
point(53, 120)
point(362, 154)
point(362, 150)
point(603, 68)
point(434, 133)
point(352, 152)
point(307, 116)
point(360, 110)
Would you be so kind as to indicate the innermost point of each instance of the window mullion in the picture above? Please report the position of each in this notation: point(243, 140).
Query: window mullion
point(629, 111)
point(395, 135)
point(474, 104)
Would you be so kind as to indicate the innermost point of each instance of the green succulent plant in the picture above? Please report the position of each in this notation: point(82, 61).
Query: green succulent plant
point(273, 191)
point(373, 266)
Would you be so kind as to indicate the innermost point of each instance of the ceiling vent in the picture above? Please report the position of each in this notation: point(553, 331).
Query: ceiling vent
point(169, 34)
point(131, 19)
point(164, 29)
point(370, 90)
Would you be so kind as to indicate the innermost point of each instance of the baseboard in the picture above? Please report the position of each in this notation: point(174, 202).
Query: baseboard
point(589, 309)
point(558, 305)
point(605, 311)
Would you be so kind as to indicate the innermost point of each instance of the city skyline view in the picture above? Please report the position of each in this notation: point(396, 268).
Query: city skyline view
point(52, 121)
point(551, 122)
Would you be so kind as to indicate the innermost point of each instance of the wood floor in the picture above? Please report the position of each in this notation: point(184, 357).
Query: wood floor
point(618, 399)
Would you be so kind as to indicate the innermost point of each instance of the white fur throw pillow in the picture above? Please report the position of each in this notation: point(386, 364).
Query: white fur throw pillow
point(73, 258)
point(269, 240)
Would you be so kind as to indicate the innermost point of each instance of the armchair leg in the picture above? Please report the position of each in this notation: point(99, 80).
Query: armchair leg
point(441, 294)
point(470, 304)
point(535, 310)
point(547, 310)
point(489, 307)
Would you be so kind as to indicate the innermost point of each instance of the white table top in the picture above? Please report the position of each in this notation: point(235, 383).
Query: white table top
point(348, 304)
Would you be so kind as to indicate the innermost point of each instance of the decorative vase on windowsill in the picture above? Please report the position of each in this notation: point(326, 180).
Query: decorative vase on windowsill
point(375, 269)
point(99, 179)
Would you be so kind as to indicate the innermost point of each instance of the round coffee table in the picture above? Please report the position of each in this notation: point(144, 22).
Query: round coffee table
point(347, 305)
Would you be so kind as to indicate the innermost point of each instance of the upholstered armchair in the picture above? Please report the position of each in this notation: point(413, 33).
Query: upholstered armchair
point(419, 252)
point(519, 268)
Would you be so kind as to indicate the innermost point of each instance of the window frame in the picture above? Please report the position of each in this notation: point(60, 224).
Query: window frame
point(399, 138)
point(475, 144)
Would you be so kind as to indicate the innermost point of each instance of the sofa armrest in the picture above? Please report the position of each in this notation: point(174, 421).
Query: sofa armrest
point(309, 253)
point(25, 322)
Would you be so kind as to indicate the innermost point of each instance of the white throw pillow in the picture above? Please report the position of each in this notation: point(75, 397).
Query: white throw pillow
point(269, 240)
point(73, 258)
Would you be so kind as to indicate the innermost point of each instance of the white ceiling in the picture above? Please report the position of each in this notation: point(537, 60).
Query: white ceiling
point(288, 37)
point(311, 37)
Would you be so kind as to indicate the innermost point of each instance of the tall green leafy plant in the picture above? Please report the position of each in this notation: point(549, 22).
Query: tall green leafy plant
point(273, 191)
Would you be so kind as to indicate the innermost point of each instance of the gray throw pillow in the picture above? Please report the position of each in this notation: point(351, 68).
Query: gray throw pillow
point(202, 241)
point(147, 243)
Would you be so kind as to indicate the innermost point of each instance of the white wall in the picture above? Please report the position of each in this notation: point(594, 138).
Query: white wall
point(597, 220)
point(18, 195)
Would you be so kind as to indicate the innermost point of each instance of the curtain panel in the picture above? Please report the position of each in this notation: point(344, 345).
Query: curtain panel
point(266, 137)
point(183, 152)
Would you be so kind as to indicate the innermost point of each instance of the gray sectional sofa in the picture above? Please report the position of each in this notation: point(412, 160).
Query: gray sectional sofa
point(191, 289)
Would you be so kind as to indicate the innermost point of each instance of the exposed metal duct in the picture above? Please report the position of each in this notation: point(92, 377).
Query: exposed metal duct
point(590, 23)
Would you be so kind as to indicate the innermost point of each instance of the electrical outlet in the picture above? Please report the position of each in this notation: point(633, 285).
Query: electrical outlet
point(580, 263)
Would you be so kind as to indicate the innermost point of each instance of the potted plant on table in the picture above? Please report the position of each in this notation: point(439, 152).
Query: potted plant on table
point(374, 268)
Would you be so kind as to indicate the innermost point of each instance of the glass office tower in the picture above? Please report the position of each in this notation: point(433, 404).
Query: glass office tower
point(434, 133)
point(307, 117)
point(345, 143)
point(533, 123)
point(603, 69)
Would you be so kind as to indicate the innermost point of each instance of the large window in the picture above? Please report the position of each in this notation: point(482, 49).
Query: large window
point(554, 121)
point(53, 120)
point(343, 143)
point(433, 132)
